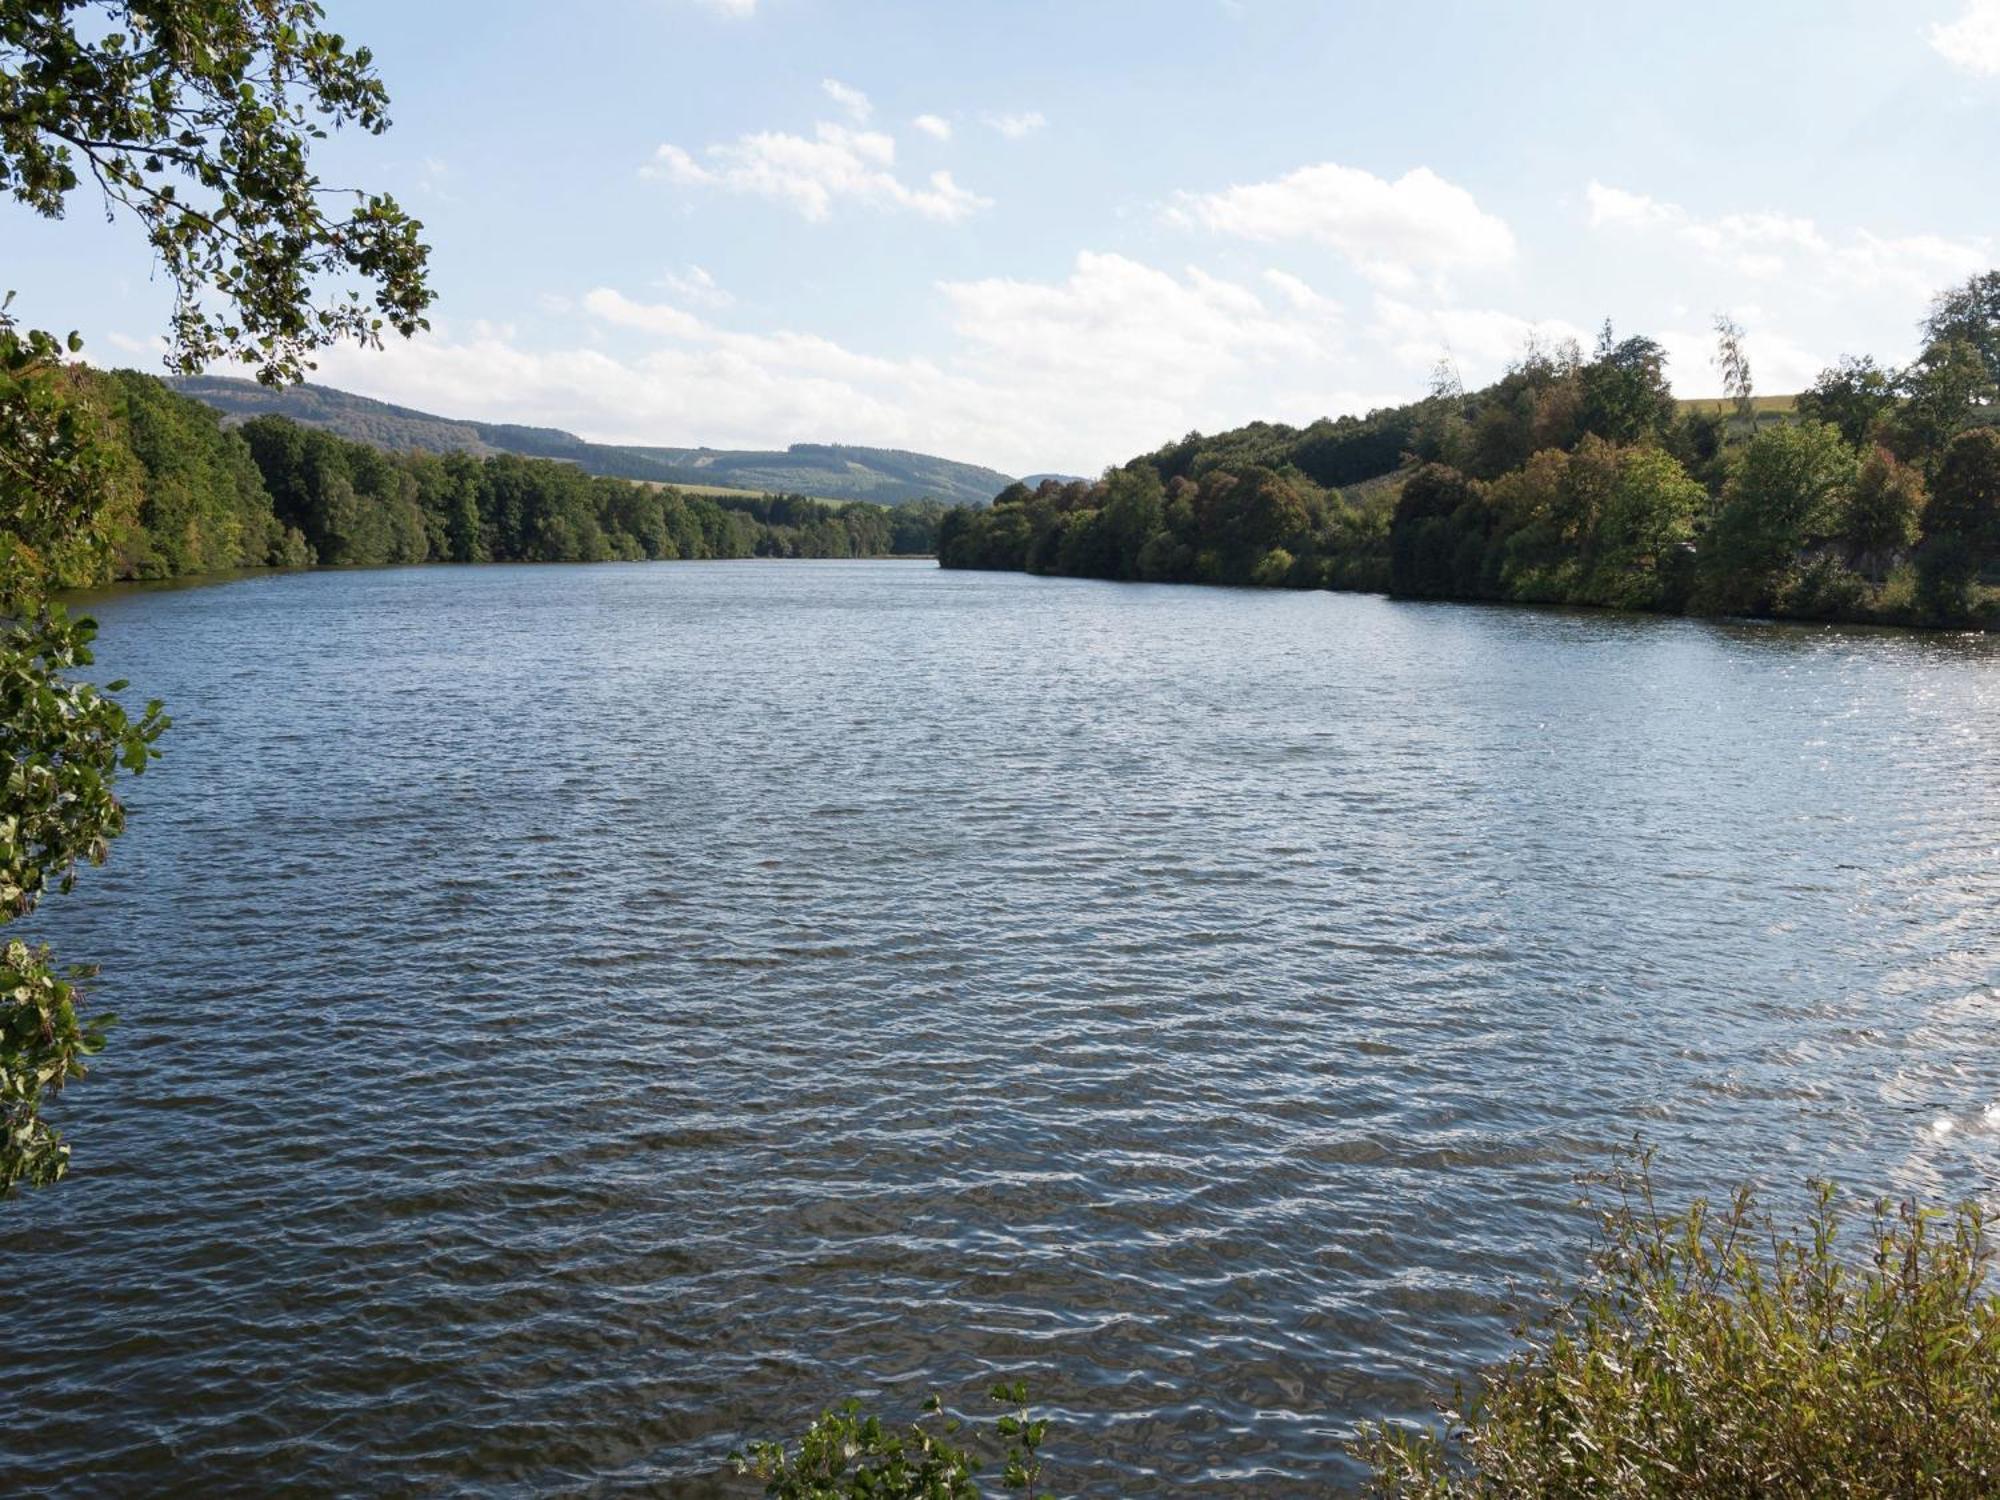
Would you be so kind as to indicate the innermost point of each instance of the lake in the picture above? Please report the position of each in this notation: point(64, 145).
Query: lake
point(576, 1018)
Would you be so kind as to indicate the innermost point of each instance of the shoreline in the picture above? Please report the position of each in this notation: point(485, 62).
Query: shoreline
point(1989, 627)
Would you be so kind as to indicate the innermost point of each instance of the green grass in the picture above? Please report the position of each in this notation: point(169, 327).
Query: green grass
point(728, 492)
point(1717, 406)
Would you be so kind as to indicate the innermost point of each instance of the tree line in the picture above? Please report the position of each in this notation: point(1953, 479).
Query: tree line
point(189, 496)
point(1577, 479)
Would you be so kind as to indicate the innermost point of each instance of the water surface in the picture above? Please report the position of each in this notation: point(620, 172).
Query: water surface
point(576, 1018)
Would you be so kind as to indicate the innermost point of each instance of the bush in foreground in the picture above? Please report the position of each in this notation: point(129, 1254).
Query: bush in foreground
point(1709, 1354)
point(847, 1453)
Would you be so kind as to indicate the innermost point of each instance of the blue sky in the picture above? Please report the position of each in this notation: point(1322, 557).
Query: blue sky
point(1048, 235)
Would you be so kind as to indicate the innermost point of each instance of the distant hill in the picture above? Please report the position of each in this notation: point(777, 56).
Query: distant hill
point(829, 471)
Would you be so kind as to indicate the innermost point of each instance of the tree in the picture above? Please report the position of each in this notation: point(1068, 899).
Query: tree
point(1970, 315)
point(1647, 524)
point(1446, 384)
point(64, 741)
point(1539, 565)
point(1961, 525)
point(1879, 520)
point(1940, 393)
point(1853, 395)
point(1438, 536)
point(1785, 496)
point(1625, 393)
point(1734, 364)
point(196, 116)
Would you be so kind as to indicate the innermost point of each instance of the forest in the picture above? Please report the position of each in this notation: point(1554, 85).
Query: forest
point(188, 495)
point(1577, 479)
point(828, 471)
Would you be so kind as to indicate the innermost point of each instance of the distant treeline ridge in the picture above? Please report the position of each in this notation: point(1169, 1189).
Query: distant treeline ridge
point(1577, 480)
point(191, 497)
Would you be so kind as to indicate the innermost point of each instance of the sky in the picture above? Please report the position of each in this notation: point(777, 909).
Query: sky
point(1046, 235)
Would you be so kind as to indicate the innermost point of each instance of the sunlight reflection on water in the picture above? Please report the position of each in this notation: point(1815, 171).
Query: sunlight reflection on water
point(576, 1018)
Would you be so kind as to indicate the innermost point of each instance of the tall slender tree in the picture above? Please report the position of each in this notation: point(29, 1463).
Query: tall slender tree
point(1734, 363)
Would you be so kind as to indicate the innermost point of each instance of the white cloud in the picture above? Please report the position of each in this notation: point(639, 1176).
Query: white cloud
point(1125, 323)
point(1777, 247)
point(1615, 206)
point(695, 285)
point(1777, 363)
point(1972, 42)
point(935, 126)
point(1015, 126)
point(1300, 296)
point(736, 8)
point(658, 318)
point(1111, 359)
point(1481, 341)
point(851, 100)
point(125, 343)
point(810, 174)
point(1393, 232)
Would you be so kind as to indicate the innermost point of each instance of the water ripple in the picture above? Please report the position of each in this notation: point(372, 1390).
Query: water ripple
point(578, 1018)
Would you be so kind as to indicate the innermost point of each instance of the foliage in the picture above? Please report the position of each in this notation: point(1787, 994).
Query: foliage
point(356, 505)
point(1569, 480)
point(1438, 534)
point(43, 1044)
point(1855, 395)
point(1785, 495)
point(848, 1453)
point(1707, 1353)
point(1968, 315)
point(201, 505)
point(63, 741)
point(1880, 518)
point(196, 116)
point(1235, 524)
point(884, 476)
point(1644, 534)
point(1938, 396)
point(1734, 363)
point(1625, 393)
point(1961, 534)
point(64, 744)
point(182, 494)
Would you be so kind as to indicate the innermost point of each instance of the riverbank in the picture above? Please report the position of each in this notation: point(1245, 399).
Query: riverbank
point(82, 598)
point(1987, 623)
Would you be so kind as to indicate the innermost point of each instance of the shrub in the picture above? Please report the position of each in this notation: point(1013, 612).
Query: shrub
point(1708, 1354)
point(1896, 600)
point(1823, 590)
point(1274, 569)
point(848, 1453)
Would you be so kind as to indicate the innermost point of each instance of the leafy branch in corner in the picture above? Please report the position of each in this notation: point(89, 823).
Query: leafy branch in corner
point(196, 117)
